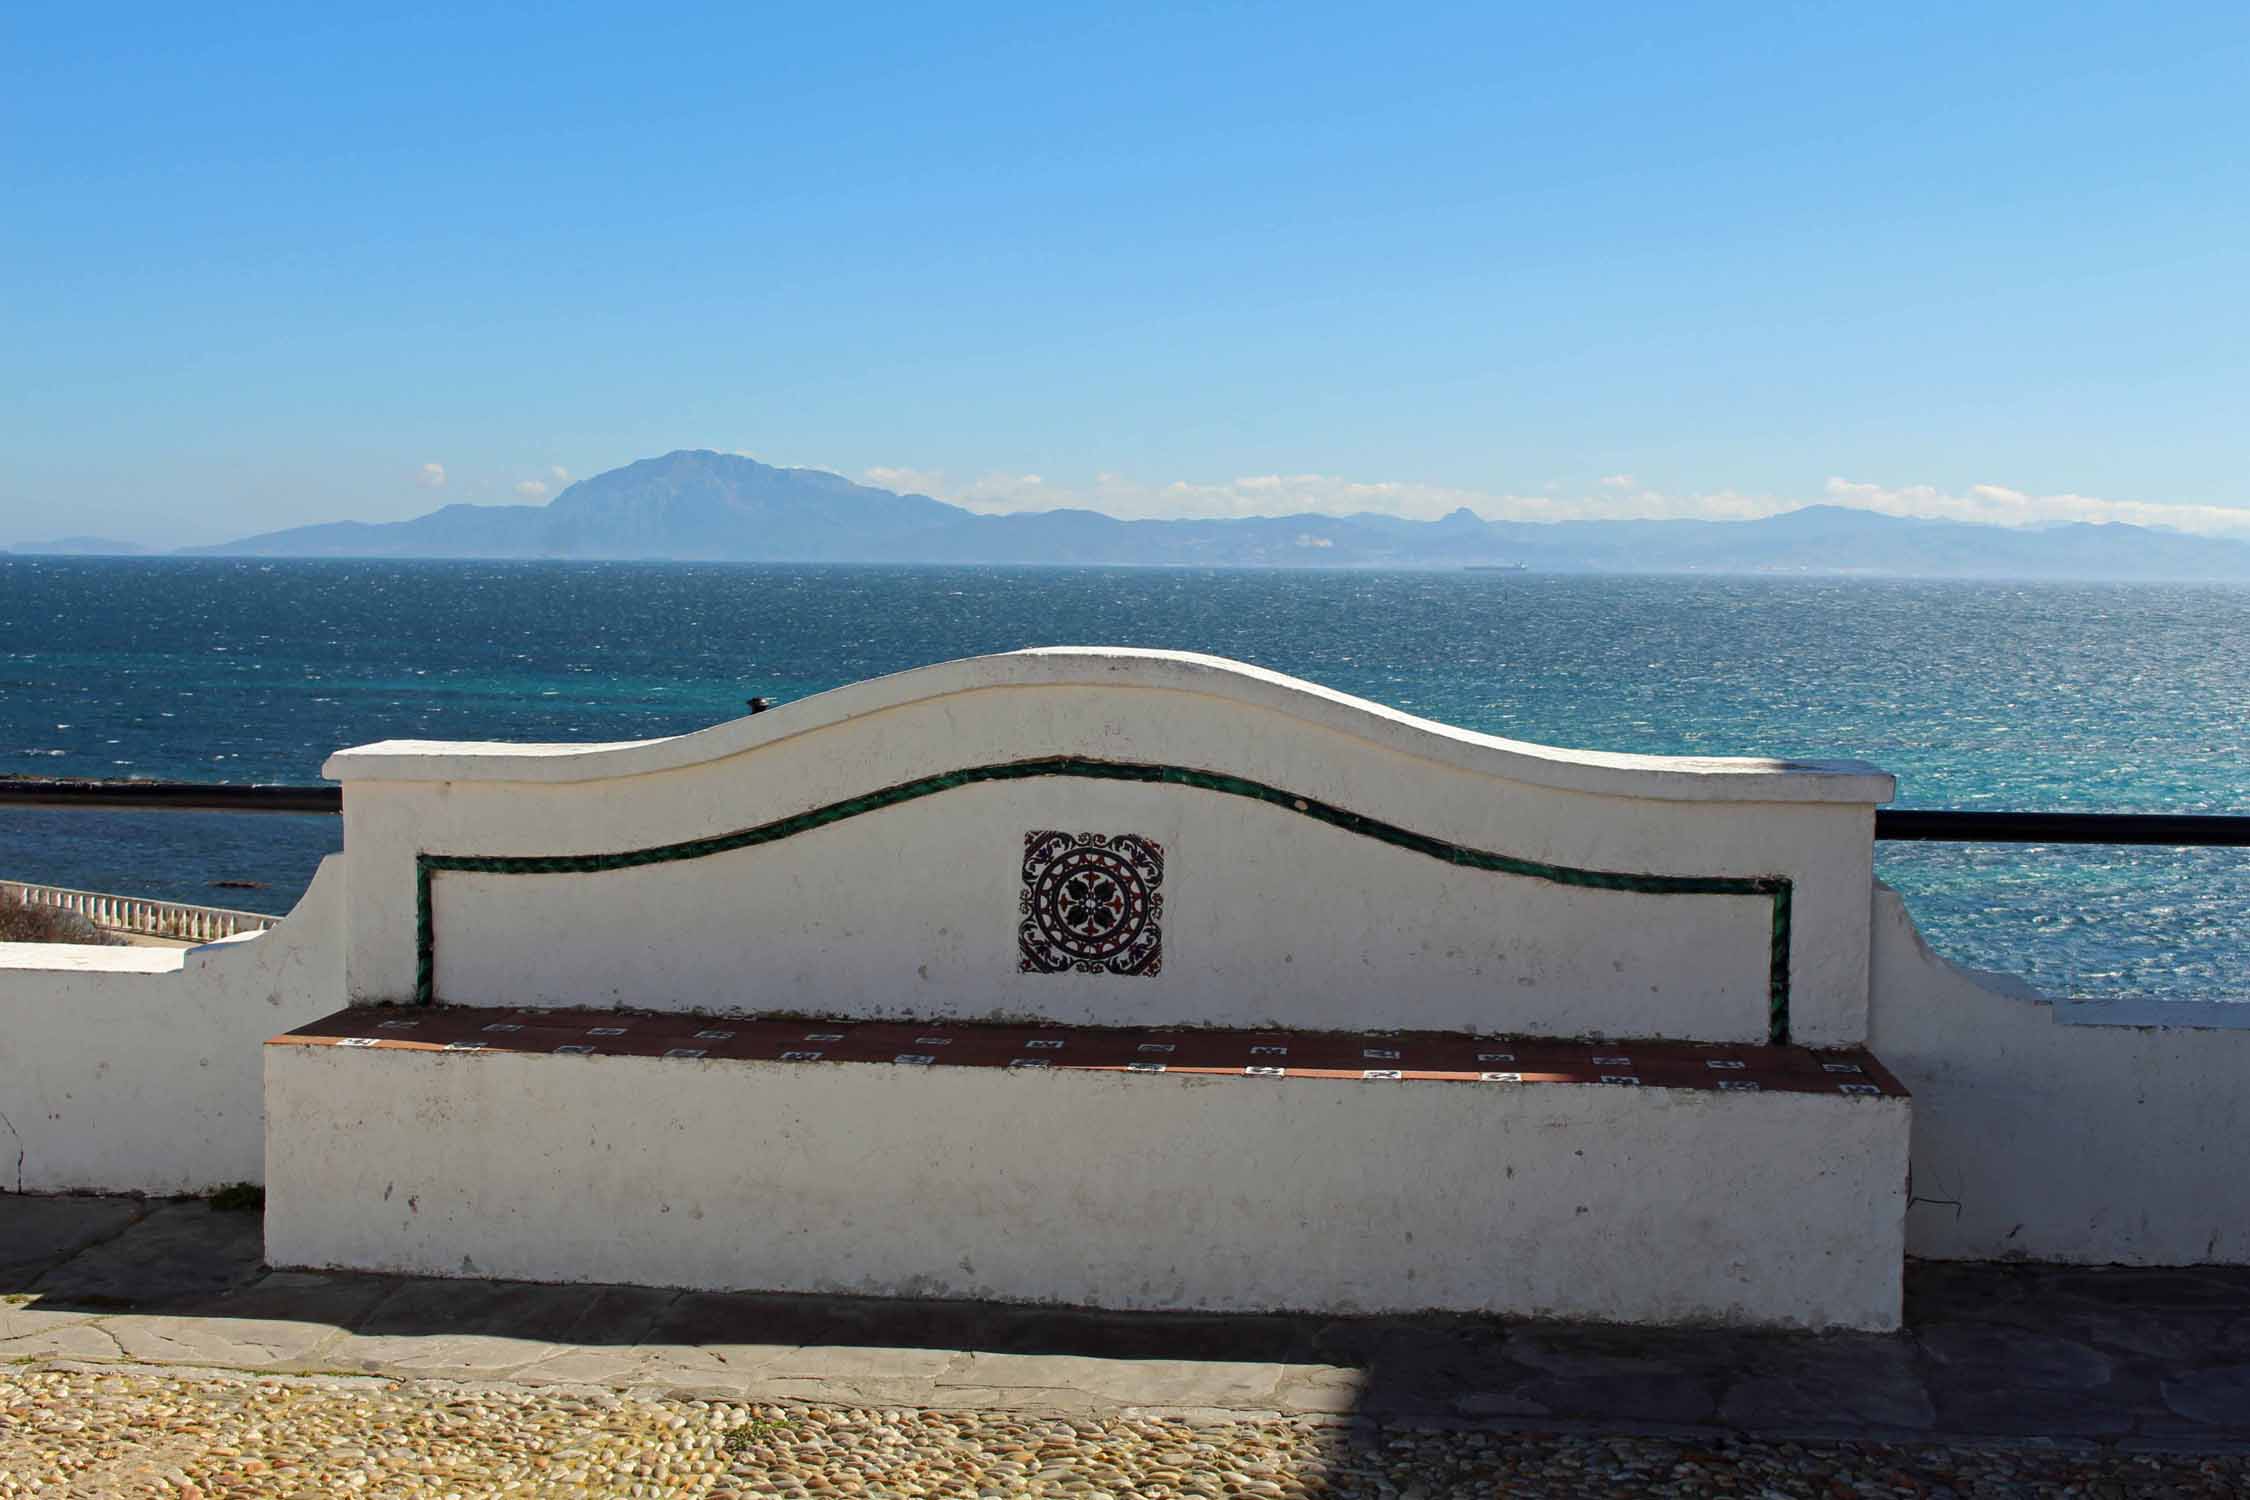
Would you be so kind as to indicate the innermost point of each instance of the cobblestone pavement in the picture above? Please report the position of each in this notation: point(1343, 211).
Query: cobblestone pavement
point(139, 1432)
point(140, 1342)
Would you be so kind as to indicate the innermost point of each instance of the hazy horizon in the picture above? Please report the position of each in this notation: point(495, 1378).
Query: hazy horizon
point(1898, 508)
point(706, 506)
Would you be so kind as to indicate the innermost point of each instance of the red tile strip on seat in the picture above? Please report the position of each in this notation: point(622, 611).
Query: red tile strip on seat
point(1372, 1056)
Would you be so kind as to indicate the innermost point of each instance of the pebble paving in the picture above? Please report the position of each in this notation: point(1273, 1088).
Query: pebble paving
point(93, 1432)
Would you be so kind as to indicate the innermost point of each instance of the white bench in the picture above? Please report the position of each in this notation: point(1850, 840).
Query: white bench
point(1105, 845)
point(1224, 1170)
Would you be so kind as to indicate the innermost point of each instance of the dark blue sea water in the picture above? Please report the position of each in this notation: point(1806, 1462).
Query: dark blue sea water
point(2124, 698)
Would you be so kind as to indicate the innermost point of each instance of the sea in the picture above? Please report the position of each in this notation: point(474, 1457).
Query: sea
point(1976, 695)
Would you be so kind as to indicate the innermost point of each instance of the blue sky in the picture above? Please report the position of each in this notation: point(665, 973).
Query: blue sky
point(260, 266)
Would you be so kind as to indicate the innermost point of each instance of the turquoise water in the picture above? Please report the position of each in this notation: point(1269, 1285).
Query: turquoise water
point(2119, 698)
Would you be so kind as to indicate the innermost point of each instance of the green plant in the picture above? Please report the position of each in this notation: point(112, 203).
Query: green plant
point(240, 1197)
point(755, 1430)
point(28, 922)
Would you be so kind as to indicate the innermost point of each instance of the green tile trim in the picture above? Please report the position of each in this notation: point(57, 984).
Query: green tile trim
point(1774, 887)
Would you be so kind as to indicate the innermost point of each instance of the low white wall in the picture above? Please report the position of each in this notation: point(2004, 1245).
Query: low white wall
point(1637, 1205)
point(137, 1070)
point(2111, 1133)
point(1269, 920)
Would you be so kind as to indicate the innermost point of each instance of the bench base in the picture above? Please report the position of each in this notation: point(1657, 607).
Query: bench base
point(1100, 1185)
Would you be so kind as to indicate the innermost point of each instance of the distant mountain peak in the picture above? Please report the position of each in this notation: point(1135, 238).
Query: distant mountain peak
point(699, 504)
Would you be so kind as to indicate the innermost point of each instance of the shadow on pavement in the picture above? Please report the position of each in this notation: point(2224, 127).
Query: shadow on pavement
point(2155, 1358)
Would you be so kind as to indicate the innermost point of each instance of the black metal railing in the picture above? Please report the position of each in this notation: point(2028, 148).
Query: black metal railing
point(1902, 824)
point(168, 796)
point(2170, 830)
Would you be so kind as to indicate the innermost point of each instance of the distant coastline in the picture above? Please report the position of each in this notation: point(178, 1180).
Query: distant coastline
point(701, 506)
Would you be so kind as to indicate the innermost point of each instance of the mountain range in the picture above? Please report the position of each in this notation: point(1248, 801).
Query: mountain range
point(705, 506)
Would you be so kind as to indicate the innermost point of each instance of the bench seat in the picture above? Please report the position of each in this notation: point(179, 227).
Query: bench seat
point(1376, 1171)
point(1410, 1056)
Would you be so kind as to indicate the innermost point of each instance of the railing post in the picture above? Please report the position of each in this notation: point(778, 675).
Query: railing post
point(141, 914)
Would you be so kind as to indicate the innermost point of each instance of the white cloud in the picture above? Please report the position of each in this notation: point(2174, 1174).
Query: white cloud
point(430, 476)
point(558, 473)
point(1315, 494)
point(532, 489)
point(904, 481)
point(1999, 505)
point(1001, 491)
point(991, 493)
point(1614, 497)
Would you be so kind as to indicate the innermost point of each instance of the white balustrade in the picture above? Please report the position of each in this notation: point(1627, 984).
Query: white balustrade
point(139, 915)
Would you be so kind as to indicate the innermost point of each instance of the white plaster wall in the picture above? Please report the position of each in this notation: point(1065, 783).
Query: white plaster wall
point(2050, 1131)
point(137, 1070)
point(1111, 1190)
point(1270, 919)
point(1276, 918)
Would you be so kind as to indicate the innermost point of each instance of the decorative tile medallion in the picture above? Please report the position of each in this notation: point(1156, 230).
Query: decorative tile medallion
point(1092, 903)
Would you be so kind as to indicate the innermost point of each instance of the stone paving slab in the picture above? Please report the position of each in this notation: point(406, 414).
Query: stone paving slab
point(2110, 1357)
point(172, 1252)
point(39, 1233)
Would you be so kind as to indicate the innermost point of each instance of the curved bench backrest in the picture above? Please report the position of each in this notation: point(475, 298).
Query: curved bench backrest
point(1113, 837)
